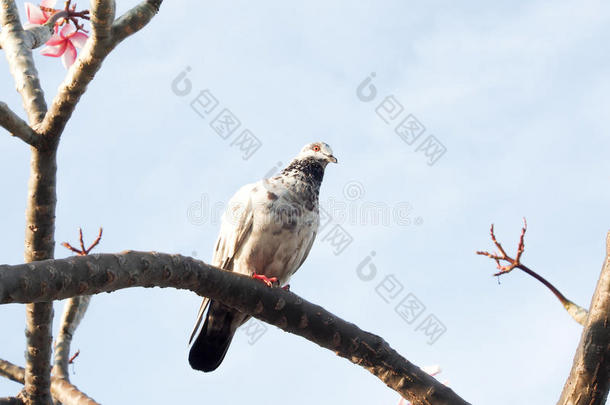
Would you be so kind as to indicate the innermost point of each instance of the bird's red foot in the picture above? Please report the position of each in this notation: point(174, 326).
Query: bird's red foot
point(286, 287)
point(265, 279)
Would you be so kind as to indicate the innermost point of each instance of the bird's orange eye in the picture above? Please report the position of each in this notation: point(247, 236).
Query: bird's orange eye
point(316, 148)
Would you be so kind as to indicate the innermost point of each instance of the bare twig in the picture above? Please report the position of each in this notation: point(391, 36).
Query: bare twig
point(512, 263)
point(69, 14)
point(589, 380)
point(61, 389)
point(74, 356)
point(16, 126)
point(83, 251)
point(578, 313)
point(74, 311)
point(92, 274)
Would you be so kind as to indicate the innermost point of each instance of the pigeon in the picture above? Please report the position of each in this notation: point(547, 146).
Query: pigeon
point(266, 232)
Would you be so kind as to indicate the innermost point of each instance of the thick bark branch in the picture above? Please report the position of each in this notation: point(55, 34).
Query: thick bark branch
point(40, 212)
point(134, 20)
point(40, 245)
point(74, 312)
point(61, 389)
point(11, 371)
point(35, 36)
point(92, 274)
point(38, 35)
point(11, 401)
point(16, 126)
point(39, 319)
point(19, 56)
point(102, 16)
point(589, 379)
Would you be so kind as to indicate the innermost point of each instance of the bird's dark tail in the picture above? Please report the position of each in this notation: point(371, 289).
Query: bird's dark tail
point(213, 341)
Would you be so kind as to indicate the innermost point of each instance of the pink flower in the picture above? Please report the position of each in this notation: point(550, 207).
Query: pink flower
point(64, 44)
point(36, 15)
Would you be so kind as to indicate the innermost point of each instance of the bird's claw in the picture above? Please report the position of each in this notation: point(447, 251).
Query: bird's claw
point(267, 280)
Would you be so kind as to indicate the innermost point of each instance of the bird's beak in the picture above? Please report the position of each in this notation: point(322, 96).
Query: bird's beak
point(332, 159)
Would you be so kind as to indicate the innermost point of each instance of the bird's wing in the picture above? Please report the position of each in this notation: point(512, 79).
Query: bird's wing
point(235, 228)
point(307, 249)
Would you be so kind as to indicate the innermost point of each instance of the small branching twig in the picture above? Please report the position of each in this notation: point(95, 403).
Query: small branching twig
point(578, 313)
point(83, 251)
point(71, 15)
point(74, 356)
point(512, 263)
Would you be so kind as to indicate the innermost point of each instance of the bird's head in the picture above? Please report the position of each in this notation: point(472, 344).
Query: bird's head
point(318, 151)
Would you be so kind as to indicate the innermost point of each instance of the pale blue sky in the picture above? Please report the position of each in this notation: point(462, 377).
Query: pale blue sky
point(517, 92)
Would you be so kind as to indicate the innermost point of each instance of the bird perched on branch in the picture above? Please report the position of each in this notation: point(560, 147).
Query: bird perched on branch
point(266, 232)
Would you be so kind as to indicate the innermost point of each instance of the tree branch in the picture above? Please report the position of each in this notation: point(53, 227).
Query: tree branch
point(18, 52)
point(39, 318)
point(16, 126)
point(578, 313)
point(589, 379)
point(11, 401)
point(38, 35)
point(74, 312)
point(102, 16)
point(134, 20)
point(40, 245)
point(40, 211)
point(101, 43)
point(11, 371)
point(92, 274)
point(61, 389)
